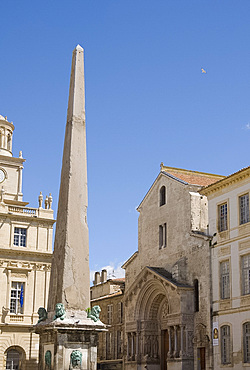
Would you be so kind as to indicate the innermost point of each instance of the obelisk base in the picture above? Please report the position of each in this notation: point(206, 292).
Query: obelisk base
point(68, 344)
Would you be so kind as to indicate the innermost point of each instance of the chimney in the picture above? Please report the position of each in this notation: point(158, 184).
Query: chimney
point(97, 278)
point(104, 276)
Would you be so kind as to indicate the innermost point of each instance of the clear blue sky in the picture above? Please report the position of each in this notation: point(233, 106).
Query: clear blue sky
point(146, 99)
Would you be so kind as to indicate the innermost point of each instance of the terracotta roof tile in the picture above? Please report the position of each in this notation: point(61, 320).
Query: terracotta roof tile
point(192, 177)
point(119, 279)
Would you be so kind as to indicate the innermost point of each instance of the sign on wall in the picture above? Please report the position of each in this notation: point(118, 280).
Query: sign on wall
point(215, 334)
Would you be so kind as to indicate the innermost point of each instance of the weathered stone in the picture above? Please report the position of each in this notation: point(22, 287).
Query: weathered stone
point(69, 282)
point(68, 334)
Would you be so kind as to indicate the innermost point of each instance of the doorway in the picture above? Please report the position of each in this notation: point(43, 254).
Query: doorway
point(164, 349)
point(201, 358)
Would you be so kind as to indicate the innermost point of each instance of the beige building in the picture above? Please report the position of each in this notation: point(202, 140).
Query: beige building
point(25, 260)
point(229, 223)
point(109, 295)
point(168, 286)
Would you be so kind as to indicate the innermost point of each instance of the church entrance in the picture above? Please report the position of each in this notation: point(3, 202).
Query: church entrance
point(164, 349)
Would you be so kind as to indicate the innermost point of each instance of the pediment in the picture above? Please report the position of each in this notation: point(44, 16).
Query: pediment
point(158, 273)
point(161, 174)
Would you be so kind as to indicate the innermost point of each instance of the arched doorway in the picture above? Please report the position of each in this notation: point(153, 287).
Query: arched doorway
point(152, 304)
point(14, 358)
point(160, 333)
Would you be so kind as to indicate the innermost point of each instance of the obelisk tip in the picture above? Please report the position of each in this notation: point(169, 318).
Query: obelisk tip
point(79, 48)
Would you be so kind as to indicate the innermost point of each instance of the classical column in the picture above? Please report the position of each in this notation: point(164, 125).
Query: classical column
point(182, 341)
point(186, 340)
point(20, 180)
point(169, 342)
point(137, 352)
point(132, 345)
point(5, 139)
point(175, 342)
point(128, 346)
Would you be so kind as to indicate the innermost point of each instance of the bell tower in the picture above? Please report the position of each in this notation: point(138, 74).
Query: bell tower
point(6, 133)
point(10, 167)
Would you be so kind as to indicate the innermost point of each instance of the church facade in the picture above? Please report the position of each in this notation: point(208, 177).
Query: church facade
point(168, 280)
point(25, 260)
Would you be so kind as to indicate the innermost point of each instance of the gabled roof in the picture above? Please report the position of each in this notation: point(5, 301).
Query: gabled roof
point(131, 258)
point(159, 272)
point(186, 177)
point(165, 274)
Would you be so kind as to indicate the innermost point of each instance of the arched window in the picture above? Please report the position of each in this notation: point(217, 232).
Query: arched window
point(13, 360)
point(196, 295)
point(246, 338)
point(162, 195)
point(225, 344)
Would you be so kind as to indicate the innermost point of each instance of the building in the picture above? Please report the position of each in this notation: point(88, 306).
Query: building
point(109, 295)
point(168, 280)
point(25, 260)
point(229, 223)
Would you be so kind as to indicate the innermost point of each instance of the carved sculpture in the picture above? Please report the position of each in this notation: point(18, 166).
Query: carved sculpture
point(5, 311)
point(59, 311)
point(75, 360)
point(42, 314)
point(94, 313)
point(155, 346)
point(47, 360)
point(40, 200)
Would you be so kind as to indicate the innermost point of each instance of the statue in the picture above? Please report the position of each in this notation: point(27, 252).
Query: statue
point(50, 201)
point(47, 360)
point(94, 313)
point(46, 202)
point(40, 200)
point(75, 360)
point(60, 311)
point(42, 314)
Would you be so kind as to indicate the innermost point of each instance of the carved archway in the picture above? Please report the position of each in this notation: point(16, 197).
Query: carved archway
point(151, 295)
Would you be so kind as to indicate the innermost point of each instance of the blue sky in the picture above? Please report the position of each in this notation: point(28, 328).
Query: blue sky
point(147, 101)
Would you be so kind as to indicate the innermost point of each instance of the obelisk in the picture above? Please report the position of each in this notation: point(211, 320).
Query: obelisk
point(69, 283)
point(68, 336)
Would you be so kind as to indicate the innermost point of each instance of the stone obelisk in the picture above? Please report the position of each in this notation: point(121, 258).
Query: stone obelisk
point(69, 283)
point(68, 338)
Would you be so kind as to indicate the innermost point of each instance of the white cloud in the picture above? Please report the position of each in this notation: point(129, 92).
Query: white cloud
point(247, 126)
point(113, 271)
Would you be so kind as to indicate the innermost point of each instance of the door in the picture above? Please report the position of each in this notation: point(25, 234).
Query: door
point(201, 358)
point(164, 349)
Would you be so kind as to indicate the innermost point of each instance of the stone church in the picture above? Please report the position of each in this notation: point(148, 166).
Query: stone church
point(168, 280)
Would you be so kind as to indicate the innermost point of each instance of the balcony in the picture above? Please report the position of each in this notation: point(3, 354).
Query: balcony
point(29, 212)
point(24, 210)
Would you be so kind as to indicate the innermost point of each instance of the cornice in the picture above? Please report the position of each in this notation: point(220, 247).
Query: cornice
point(118, 295)
point(24, 266)
point(227, 181)
point(11, 161)
point(22, 217)
point(24, 253)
